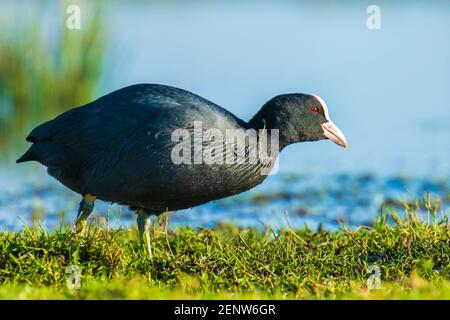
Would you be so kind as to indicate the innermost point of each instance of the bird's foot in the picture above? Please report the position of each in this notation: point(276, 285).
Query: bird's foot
point(80, 226)
point(144, 226)
point(86, 208)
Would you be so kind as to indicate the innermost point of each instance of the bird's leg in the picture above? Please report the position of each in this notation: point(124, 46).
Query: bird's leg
point(144, 225)
point(86, 207)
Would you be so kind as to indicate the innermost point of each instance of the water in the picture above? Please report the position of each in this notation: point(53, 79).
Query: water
point(326, 201)
point(388, 91)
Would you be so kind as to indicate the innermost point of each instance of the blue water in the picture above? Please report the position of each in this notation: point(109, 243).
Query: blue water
point(318, 201)
point(388, 91)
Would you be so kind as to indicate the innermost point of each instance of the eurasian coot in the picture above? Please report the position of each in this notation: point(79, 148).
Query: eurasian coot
point(122, 147)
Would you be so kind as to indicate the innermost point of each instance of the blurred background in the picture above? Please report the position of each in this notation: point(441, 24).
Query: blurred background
point(387, 89)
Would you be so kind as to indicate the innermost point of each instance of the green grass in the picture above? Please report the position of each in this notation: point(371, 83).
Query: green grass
point(413, 257)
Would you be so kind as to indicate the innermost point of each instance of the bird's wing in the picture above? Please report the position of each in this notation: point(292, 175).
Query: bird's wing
point(91, 132)
point(123, 138)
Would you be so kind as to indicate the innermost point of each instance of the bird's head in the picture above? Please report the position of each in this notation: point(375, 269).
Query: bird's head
point(298, 117)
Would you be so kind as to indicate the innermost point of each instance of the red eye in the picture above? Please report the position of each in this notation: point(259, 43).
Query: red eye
point(315, 110)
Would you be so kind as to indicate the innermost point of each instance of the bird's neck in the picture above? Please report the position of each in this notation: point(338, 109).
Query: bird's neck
point(267, 118)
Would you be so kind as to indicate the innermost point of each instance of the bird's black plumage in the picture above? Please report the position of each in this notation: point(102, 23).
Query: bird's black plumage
point(118, 147)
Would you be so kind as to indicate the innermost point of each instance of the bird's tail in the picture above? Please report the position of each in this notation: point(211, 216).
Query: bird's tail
point(27, 156)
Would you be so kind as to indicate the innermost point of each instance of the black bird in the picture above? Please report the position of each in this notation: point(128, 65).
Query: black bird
point(123, 147)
